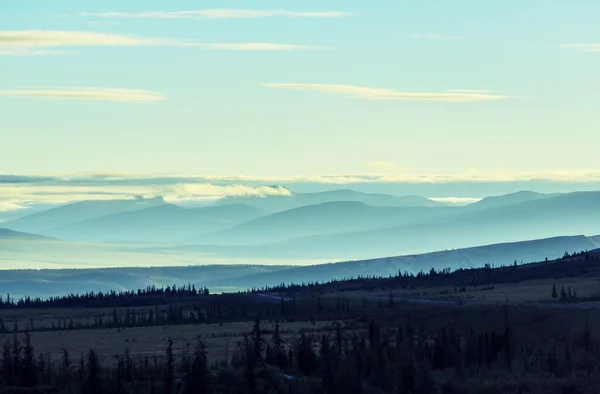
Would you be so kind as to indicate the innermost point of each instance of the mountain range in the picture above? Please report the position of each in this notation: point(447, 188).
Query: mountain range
point(352, 226)
point(278, 203)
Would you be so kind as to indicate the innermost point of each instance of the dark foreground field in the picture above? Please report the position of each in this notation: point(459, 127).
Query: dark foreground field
point(328, 344)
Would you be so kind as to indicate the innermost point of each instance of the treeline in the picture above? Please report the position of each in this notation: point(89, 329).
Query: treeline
point(151, 295)
point(570, 265)
point(375, 358)
point(199, 310)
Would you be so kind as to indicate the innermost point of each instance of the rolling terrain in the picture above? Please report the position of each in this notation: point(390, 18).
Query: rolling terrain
point(166, 223)
point(496, 254)
point(322, 219)
point(279, 203)
point(567, 214)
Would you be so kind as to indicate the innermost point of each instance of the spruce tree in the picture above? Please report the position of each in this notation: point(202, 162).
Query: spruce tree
point(28, 363)
point(93, 380)
point(257, 341)
point(199, 379)
point(563, 293)
point(170, 369)
point(16, 357)
point(277, 349)
point(7, 365)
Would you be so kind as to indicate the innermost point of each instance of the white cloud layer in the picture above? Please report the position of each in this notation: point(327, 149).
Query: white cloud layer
point(217, 13)
point(76, 93)
point(586, 47)
point(33, 42)
point(388, 94)
point(11, 195)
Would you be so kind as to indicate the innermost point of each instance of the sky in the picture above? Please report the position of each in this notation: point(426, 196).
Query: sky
point(408, 92)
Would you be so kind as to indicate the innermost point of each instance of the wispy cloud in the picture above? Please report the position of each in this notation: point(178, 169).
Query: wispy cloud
point(388, 94)
point(34, 42)
point(29, 52)
point(439, 36)
point(58, 38)
point(254, 46)
point(103, 94)
point(218, 13)
point(472, 91)
point(585, 47)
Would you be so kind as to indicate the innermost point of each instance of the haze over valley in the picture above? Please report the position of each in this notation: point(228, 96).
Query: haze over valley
point(375, 234)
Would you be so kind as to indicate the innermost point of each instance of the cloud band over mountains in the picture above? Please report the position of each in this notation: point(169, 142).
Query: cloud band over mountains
point(17, 191)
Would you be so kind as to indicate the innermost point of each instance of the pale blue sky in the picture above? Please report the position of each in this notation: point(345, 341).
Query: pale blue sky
point(219, 118)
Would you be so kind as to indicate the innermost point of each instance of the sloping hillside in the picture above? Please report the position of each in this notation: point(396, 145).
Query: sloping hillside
point(497, 254)
point(326, 218)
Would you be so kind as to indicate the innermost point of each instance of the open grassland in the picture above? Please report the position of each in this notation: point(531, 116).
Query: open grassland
point(220, 339)
point(532, 291)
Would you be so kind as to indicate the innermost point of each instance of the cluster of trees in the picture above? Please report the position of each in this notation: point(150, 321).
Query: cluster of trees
point(148, 296)
point(374, 358)
point(571, 295)
point(565, 295)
